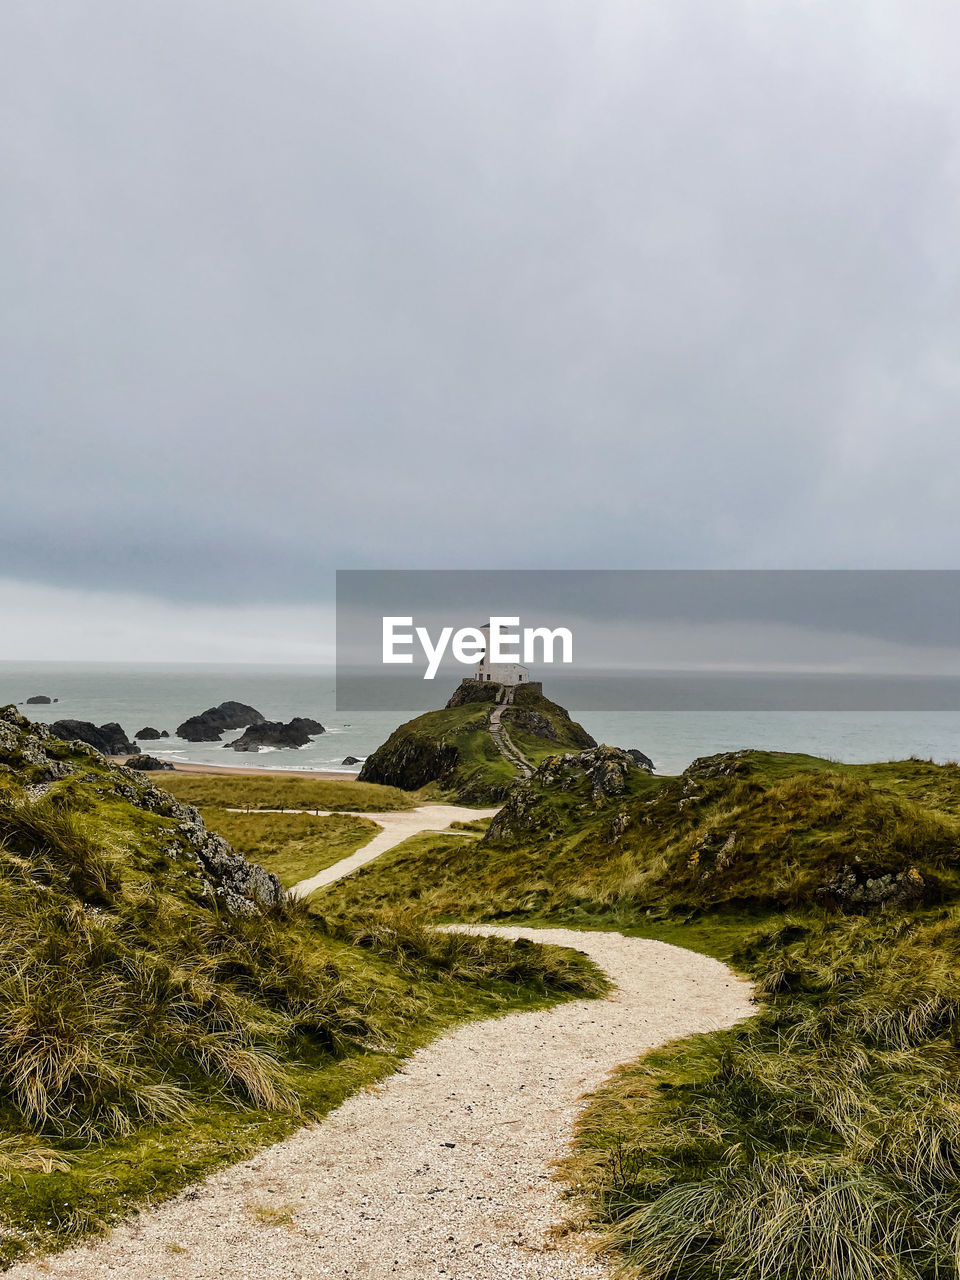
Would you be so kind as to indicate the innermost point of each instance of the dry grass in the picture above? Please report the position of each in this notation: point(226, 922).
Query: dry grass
point(237, 791)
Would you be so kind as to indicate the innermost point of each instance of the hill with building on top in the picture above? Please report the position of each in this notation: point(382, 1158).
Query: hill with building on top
point(487, 736)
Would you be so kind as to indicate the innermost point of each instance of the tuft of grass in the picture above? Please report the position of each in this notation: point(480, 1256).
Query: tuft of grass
point(272, 1215)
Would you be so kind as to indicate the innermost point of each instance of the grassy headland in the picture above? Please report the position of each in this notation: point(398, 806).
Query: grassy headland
point(453, 751)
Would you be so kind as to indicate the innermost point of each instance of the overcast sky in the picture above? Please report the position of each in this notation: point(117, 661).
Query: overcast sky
point(296, 286)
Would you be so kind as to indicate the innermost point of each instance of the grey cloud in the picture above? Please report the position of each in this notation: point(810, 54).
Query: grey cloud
point(295, 286)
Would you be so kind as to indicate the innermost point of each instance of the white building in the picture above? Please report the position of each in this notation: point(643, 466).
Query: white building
point(499, 672)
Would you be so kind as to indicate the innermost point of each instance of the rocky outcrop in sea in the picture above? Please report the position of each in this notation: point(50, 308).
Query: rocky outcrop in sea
point(210, 725)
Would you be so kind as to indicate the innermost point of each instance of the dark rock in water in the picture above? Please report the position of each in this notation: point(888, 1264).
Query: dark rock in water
point(108, 738)
point(39, 700)
point(641, 761)
point(150, 735)
point(349, 760)
point(210, 724)
point(313, 727)
point(272, 733)
point(145, 763)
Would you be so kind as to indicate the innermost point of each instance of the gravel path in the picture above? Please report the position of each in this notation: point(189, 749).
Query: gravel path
point(395, 828)
point(444, 1170)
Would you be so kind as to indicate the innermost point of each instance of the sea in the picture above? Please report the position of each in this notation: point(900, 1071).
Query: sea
point(163, 696)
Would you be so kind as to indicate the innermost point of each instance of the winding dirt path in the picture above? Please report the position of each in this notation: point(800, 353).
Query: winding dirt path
point(395, 828)
point(444, 1170)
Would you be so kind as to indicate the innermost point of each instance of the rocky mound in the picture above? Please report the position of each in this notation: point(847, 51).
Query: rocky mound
point(109, 739)
point(34, 758)
point(145, 764)
point(151, 735)
point(209, 725)
point(595, 775)
point(39, 700)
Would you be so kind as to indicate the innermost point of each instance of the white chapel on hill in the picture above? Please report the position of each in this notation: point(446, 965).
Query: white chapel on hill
point(499, 672)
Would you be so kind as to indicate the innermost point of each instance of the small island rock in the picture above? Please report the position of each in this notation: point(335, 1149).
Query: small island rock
point(273, 733)
point(210, 724)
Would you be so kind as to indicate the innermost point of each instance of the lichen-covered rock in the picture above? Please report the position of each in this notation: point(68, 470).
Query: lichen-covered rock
point(606, 767)
point(854, 889)
point(411, 760)
point(602, 773)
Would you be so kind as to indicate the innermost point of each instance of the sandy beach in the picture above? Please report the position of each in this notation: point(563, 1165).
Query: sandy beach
point(246, 772)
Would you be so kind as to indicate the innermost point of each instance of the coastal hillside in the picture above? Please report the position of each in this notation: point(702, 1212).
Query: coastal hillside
point(164, 1008)
point(478, 745)
point(589, 837)
point(818, 1139)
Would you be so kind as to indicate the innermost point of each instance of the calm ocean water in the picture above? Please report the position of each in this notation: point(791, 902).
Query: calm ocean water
point(136, 696)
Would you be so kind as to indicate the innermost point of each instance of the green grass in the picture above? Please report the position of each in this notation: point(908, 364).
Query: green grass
point(294, 845)
point(743, 834)
point(821, 1139)
point(237, 791)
